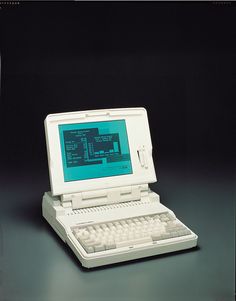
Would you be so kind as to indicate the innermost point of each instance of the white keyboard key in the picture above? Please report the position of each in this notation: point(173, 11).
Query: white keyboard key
point(75, 230)
point(81, 235)
point(98, 248)
point(110, 246)
point(156, 237)
point(89, 249)
point(132, 242)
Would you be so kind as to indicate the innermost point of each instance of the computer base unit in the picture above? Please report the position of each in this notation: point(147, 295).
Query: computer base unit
point(63, 220)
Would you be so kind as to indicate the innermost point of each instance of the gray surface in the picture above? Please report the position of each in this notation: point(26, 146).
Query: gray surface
point(36, 265)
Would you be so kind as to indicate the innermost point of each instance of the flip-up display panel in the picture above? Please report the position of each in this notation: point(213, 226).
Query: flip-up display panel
point(98, 149)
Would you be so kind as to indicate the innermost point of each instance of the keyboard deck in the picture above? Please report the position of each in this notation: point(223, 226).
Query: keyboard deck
point(129, 232)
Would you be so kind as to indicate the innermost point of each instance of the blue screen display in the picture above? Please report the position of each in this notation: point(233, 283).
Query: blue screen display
point(94, 150)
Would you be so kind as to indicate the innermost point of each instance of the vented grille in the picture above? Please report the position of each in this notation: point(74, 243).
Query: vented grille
point(108, 207)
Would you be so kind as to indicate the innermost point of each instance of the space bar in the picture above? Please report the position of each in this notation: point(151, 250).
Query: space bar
point(132, 242)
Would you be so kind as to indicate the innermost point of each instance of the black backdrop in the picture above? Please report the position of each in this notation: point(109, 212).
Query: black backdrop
point(176, 59)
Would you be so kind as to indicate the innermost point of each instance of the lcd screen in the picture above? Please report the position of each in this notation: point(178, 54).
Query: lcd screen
point(94, 150)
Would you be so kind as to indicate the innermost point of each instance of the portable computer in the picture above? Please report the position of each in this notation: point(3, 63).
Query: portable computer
point(100, 204)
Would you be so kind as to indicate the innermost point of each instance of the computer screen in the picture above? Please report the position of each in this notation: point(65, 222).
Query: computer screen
point(94, 150)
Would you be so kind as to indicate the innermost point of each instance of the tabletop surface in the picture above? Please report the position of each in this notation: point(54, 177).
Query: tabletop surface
point(37, 265)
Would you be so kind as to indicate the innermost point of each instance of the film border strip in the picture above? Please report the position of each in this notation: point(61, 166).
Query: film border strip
point(9, 4)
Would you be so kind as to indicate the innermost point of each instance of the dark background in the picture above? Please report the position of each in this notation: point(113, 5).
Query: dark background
point(176, 59)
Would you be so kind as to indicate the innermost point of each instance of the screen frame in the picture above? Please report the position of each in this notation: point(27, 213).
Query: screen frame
point(138, 133)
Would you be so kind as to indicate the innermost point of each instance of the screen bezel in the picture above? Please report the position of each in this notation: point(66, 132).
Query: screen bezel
point(138, 135)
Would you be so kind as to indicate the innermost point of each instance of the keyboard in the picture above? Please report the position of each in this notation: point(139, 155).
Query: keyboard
point(128, 232)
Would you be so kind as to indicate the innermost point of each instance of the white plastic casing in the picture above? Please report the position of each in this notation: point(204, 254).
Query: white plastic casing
point(139, 143)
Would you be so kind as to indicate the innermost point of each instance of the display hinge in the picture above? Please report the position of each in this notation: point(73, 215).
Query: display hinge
point(104, 196)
